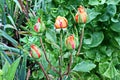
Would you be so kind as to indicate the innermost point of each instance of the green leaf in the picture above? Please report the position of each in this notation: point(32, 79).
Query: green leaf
point(5, 35)
point(5, 67)
point(9, 26)
point(96, 2)
point(6, 57)
point(12, 69)
point(87, 38)
point(116, 77)
point(108, 70)
point(93, 77)
point(17, 3)
point(111, 10)
point(90, 54)
point(114, 20)
point(12, 49)
point(111, 72)
point(12, 21)
point(104, 18)
point(51, 35)
point(22, 70)
point(115, 27)
point(84, 66)
point(66, 77)
point(97, 38)
point(118, 40)
point(92, 14)
point(113, 2)
point(103, 67)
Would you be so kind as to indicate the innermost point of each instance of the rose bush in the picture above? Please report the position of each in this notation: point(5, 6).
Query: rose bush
point(87, 50)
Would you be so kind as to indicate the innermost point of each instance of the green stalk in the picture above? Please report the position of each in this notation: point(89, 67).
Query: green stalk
point(60, 57)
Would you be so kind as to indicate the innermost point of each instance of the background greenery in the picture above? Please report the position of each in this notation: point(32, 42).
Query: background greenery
point(99, 58)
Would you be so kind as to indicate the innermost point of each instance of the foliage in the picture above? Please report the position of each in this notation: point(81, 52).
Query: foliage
point(98, 58)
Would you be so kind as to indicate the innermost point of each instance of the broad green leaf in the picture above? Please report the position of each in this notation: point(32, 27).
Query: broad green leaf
point(93, 2)
point(51, 35)
point(103, 67)
point(109, 52)
point(114, 42)
point(104, 17)
point(111, 72)
point(5, 35)
point(106, 50)
point(114, 20)
point(111, 10)
point(96, 2)
point(116, 77)
point(12, 69)
point(113, 2)
point(115, 27)
point(90, 54)
point(87, 39)
point(118, 40)
point(97, 38)
point(84, 66)
point(92, 14)
point(93, 77)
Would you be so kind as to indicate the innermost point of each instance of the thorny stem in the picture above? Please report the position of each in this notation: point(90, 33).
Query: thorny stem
point(81, 38)
point(69, 66)
point(43, 70)
point(46, 56)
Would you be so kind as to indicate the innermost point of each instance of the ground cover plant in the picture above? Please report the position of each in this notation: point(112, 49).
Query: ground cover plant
point(60, 40)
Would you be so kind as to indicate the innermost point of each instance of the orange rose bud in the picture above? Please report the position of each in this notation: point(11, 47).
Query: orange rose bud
point(61, 22)
point(70, 42)
point(35, 52)
point(81, 15)
point(39, 26)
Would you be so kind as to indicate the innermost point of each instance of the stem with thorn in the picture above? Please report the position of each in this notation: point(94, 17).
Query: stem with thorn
point(53, 68)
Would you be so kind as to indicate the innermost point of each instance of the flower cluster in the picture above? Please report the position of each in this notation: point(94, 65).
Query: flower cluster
point(60, 23)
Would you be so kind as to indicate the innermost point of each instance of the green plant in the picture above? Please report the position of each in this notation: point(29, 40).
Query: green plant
point(92, 53)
